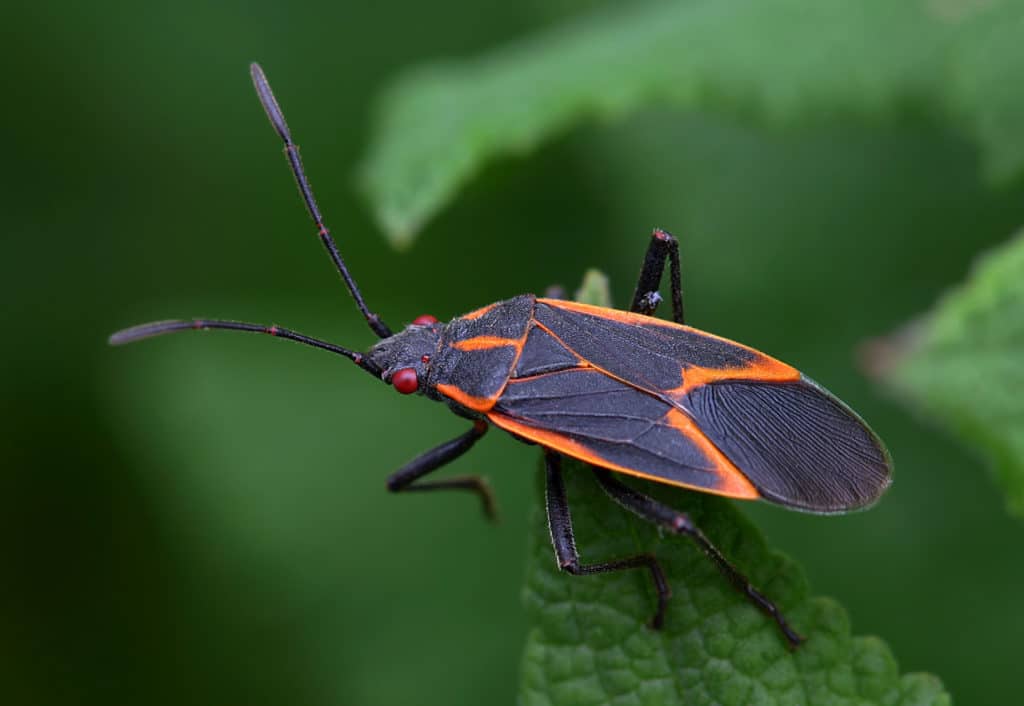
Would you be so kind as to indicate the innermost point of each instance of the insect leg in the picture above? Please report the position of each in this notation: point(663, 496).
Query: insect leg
point(564, 542)
point(646, 298)
point(404, 479)
point(677, 522)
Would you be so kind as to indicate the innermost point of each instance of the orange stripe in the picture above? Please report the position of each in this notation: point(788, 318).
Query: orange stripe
point(478, 312)
point(733, 483)
point(763, 369)
point(626, 317)
point(477, 404)
point(480, 343)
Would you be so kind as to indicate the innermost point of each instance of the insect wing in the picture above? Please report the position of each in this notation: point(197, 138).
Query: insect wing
point(795, 442)
point(659, 356)
point(799, 445)
point(591, 416)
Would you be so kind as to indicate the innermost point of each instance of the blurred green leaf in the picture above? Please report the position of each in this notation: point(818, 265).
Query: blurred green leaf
point(594, 289)
point(777, 61)
point(589, 642)
point(961, 364)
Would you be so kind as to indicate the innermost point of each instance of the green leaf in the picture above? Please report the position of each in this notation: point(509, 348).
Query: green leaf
point(589, 642)
point(777, 61)
point(962, 364)
point(594, 289)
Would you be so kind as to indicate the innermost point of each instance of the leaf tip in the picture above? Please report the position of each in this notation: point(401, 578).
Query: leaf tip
point(594, 289)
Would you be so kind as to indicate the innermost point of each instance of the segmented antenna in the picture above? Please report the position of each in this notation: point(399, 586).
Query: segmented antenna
point(291, 150)
point(158, 328)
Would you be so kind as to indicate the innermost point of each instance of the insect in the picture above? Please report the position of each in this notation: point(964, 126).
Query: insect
point(622, 391)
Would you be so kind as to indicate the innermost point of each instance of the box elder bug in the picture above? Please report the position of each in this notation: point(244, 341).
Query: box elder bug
point(621, 391)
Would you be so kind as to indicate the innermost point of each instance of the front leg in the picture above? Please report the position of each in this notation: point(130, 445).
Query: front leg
point(646, 297)
point(404, 479)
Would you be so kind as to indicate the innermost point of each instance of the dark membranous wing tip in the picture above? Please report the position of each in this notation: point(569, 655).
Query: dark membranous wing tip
point(799, 445)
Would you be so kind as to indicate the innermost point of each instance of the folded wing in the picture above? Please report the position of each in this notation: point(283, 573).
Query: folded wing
point(586, 414)
point(800, 446)
point(672, 403)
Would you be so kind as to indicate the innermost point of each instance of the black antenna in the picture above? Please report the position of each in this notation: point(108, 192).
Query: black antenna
point(158, 328)
point(291, 150)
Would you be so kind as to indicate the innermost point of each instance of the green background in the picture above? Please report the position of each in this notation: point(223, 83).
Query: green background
point(204, 520)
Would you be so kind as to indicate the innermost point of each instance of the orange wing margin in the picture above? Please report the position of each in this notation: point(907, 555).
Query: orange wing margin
point(591, 416)
point(733, 483)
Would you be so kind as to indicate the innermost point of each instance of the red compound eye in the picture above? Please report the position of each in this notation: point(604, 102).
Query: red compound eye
point(405, 381)
point(424, 320)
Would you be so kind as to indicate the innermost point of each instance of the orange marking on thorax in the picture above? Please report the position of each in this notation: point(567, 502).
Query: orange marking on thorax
point(482, 343)
point(478, 313)
point(477, 404)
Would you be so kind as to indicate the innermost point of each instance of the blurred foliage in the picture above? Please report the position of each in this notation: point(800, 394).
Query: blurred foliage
point(204, 520)
point(962, 363)
point(780, 61)
point(589, 641)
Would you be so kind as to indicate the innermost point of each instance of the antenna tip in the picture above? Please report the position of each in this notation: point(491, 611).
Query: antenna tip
point(119, 338)
point(155, 328)
point(266, 95)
